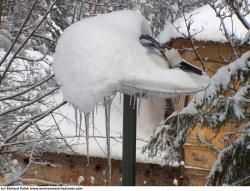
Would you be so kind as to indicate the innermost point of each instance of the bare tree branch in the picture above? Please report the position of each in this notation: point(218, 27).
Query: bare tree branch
point(29, 103)
point(28, 89)
point(18, 34)
point(26, 40)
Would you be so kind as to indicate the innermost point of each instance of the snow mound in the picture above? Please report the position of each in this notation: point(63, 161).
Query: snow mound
point(96, 56)
point(175, 182)
point(207, 29)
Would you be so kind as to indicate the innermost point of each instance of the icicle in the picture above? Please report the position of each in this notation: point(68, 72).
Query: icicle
point(139, 103)
point(135, 101)
point(96, 109)
point(130, 100)
point(120, 100)
point(80, 123)
point(76, 120)
point(107, 104)
point(93, 122)
point(86, 116)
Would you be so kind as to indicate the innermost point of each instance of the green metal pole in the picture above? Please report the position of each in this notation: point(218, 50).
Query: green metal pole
point(129, 141)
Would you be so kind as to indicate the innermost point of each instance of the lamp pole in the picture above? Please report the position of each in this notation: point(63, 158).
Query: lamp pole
point(129, 141)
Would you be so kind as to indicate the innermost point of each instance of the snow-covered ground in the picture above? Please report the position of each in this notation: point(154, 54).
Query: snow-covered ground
point(206, 24)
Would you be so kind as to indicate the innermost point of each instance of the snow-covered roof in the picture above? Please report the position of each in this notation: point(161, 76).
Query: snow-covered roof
point(151, 115)
point(204, 20)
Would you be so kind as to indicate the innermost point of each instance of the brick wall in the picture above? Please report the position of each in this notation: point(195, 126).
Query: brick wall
point(66, 169)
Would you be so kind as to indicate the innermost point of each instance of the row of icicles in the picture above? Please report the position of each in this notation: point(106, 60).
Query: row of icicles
point(91, 116)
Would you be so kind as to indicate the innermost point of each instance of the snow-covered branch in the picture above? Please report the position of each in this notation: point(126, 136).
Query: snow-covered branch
point(18, 34)
point(228, 166)
point(13, 57)
point(170, 138)
point(17, 131)
point(30, 102)
point(40, 82)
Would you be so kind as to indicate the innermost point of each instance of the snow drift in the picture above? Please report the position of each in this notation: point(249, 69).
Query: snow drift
point(100, 55)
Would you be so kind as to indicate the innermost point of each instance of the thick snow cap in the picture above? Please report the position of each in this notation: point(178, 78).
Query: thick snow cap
point(100, 55)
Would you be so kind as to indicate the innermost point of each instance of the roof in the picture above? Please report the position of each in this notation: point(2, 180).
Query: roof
point(151, 114)
point(206, 24)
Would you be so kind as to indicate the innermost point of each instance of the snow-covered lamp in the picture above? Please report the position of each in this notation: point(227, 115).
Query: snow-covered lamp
point(99, 56)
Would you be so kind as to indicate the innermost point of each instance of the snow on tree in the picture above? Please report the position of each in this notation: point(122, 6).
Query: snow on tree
point(160, 12)
point(28, 86)
point(232, 165)
point(29, 31)
point(225, 100)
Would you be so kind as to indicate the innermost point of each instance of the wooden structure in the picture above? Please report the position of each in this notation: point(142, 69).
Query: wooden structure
point(198, 157)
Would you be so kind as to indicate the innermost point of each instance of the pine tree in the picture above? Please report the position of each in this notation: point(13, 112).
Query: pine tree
point(225, 101)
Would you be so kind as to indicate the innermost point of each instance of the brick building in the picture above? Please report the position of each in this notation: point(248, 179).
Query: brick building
point(53, 168)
